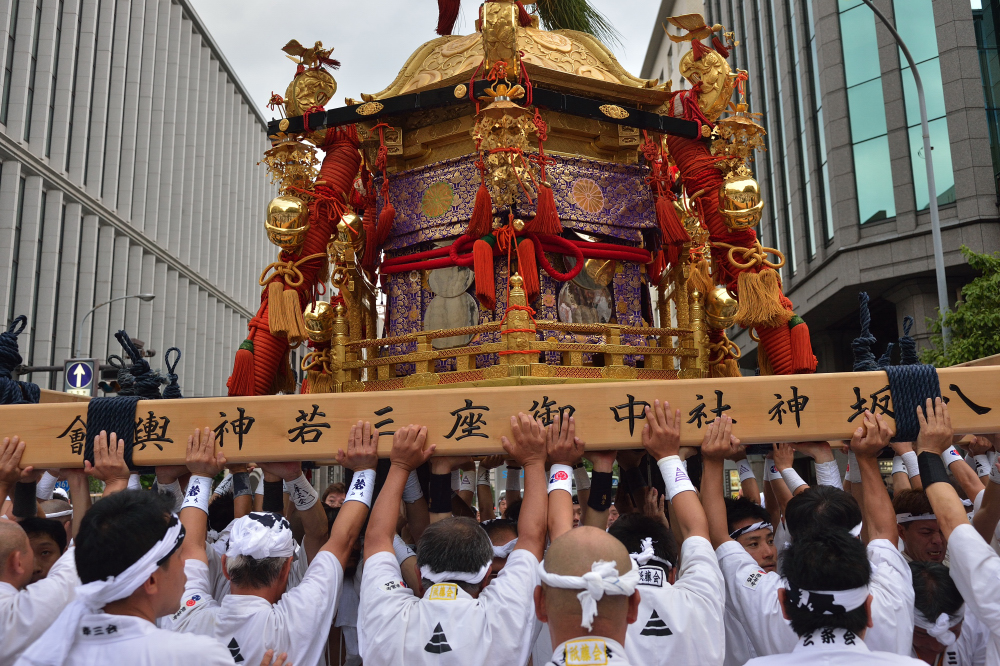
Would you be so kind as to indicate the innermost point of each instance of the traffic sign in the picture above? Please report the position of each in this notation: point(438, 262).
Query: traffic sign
point(79, 376)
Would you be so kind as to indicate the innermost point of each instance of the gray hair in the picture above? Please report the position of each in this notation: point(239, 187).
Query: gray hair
point(455, 544)
point(245, 571)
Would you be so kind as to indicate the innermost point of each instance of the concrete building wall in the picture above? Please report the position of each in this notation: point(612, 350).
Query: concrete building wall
point(844, 173)
point(127, 165)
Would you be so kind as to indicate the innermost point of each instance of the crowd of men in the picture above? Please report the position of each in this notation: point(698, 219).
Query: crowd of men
point(395, 567)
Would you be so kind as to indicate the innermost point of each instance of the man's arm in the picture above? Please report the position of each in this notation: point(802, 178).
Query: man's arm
point(204, 464)
point(305, 499)
point(79, 494)
point(528, 448)
point(406, 455)
point(963, 473)
point(717, 444)
point(484, 490)
point(935, 438)
point(600, 498)
point(439, 486)
point(784, 458)
point(748, 481)
point(11, 451)
point(986, 518)
point(109, 464)
point(877, 513)
point(564, 451)
point(361, 457)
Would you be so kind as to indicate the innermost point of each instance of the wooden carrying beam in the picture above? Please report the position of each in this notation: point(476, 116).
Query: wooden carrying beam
point(467, 421)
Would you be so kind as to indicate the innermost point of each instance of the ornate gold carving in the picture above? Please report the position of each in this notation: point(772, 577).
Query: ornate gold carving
point(283, 124)
point(500, 43)
point(717, 81)
point(461, 90)
point(614, 111)
point(369, 108)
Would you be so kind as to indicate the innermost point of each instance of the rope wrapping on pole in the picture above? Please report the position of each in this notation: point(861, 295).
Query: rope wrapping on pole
point(13, 392)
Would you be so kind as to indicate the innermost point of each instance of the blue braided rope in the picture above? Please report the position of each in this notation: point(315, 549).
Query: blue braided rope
point(112, 415)
point(910, 386)
point(885, 360)
point(907, 345)
point(864, 359)
point(13, 392)
point(173, 389)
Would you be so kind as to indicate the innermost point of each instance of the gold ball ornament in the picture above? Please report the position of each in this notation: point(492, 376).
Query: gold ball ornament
point(739, 200)
point(518, 224)
point(351, 225)
point(287, 221)
point(318, 317)
point(313, 87)
point(720, 308)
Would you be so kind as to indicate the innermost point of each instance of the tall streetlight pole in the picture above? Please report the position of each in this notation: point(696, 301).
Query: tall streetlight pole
point(942, 285)
point(79, 334)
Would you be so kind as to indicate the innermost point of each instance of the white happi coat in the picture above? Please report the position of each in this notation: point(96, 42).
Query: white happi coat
point(834, 647)
point(26, 614)
point(593, 651)
point(447, 626)
point(975, 568)
point(680, 623)
point(752, 596)
point(298, 624)
point(104, 639)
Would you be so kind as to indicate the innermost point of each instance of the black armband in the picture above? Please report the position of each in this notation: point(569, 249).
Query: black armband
point(600, 491)
point(24, 500)
point(241, 484)
point(932, 469)
point(274, 496)
point(439, 493)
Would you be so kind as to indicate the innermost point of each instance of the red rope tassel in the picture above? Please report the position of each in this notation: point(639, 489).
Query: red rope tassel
point(671, 228)
point(385, 219)
point(241, 381)
point(546, 220)
point(720, 47)
point(481, 222)
point(523, 17)
point(803, 359)
point(482, 266)
point(447, 16)
point(777, 345)
point(527, 269)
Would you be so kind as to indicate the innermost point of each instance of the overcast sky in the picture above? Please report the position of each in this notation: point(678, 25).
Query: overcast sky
point(372, 38)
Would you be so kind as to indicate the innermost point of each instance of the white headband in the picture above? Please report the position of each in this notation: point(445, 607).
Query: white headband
point(472, 578)
point(759, 525)
point(910, 517)
point(824, 601)
point(940, 629)
point(647, 554)
point(53, 647)
point(504, 551)
point(856, 531)
point(602, 579)
point(260, 535)
point(60, 514)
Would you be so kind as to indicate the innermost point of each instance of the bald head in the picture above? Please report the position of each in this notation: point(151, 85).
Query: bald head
point(16, 560)
point(574, 554)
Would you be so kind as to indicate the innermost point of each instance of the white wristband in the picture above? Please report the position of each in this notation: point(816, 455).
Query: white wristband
point(455, 480)
point(910, 462)
point(302, 493)
point(828, 474)
point(582, 478)
point(897, 465)
point(483, 476)
point(362, 487)
point(853, 471)
point(224, 486)
point(403, 551)
point(45, 486)
point(951, 456)
point(174, 490)
point(745, 470)
point(133, 482)
point(771, 472)
point(467, 480)
point(412, 491)
point(981, 464)
point(198, 493)
point(792, 479)
point(994, 474)
point(561, 478)
point(674, 477)
point(259, 475)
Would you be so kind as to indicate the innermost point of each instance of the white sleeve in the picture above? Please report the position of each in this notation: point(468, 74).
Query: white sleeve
point(700, 577)
point(384, 609)
point(892, 599)
point(308, 608)
point(975, 568)
point(509, 601)
point(197, 597)
point(26, 615)
point(753, 596)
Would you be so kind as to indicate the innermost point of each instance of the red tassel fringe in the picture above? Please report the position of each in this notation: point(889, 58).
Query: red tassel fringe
point(527, 269)
point(447, 16)
point(803, 359)
point(720, 47)
point(482, 264)
point(523, 17)
point(385, 221)
point(481, 222)
point(673, 231)
point(371, 239)
point(546, 220)
point(241, 381)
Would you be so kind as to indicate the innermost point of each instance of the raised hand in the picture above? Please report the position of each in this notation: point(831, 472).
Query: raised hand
point(818, 451)
point(10, 458)
point(109, 462)
point(528, 445)
point(408, 450)
point(661, 436)
point(362, 448)
point(286, 471)
point(783, 455)
point(875, 437)
point(491, 462)
point(719, 441)
point(899, 448)
point(935, 428)
point(979, 445)
point(167, 474)
point(561, 442)
point(603, 461)
point(446, 464)
point(653, 505)
point(200, 457)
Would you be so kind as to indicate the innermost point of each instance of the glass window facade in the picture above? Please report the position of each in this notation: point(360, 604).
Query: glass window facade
point(987, 23)
point(801, 129)
point(866, 106)
point(915, 24)
point(819, 125)
point(8, 70)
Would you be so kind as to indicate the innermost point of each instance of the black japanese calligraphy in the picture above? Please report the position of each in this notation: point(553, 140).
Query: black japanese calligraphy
point(544, 410)
point(978, 409)
point(152, 430)
point(471, 421)
point(879, 402)
point(384, 422)
point(795, 405)
point(240, 426)
point(698, 413)
point(77, 435)
point(309, 430)
point(631, 416)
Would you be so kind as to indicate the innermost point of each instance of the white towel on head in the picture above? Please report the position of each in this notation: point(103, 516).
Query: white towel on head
point(260, 535)
point(602, 579)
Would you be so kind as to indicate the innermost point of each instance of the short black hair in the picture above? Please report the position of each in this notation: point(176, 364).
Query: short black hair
point(819, 508)
point(513, 510)
point(454, 544)
point(824, 560)
point(498, 526)
point(118, 530)
point(741, 508)
point(632, 528)
point(222, 511)
point(53, 528)
point(934, 591)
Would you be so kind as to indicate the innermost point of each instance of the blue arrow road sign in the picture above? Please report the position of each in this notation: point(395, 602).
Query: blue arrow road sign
point(80, 375)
